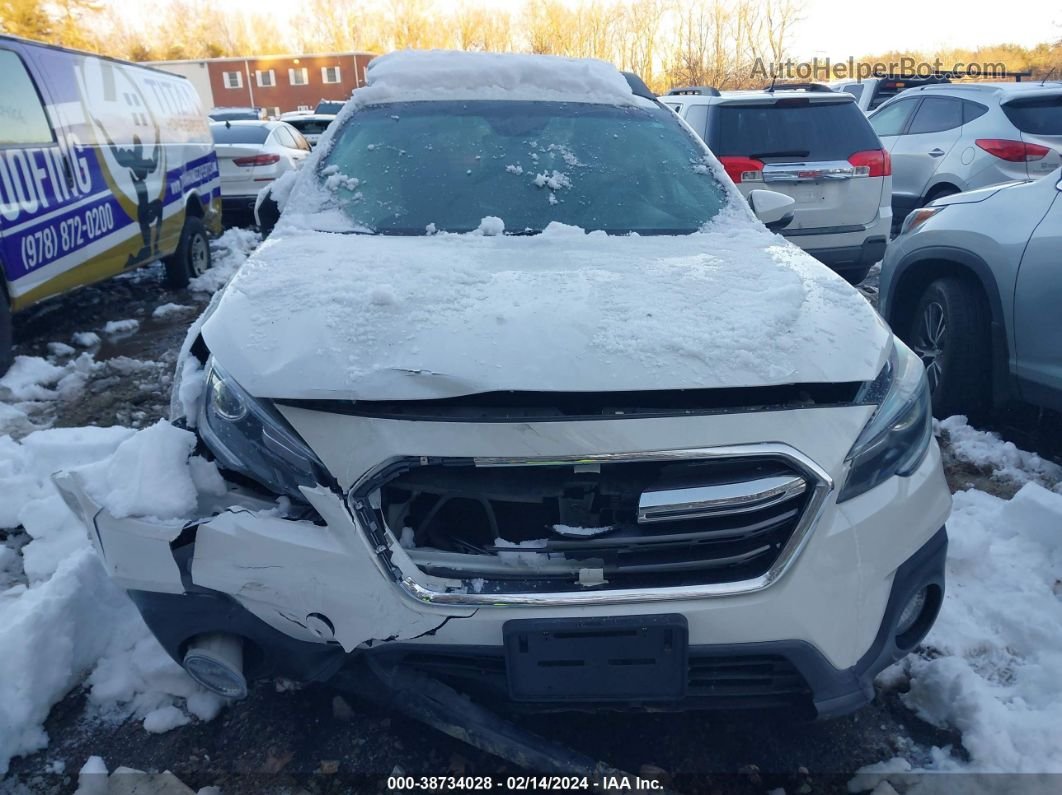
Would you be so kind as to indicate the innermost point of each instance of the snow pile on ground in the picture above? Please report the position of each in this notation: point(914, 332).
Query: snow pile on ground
point(986, 451)
point(86, 339)
point(60, 615)
point(33, 382)
point(992, 666)
point(117, 328)
point(167, 310)
point(227, 254)
point(442, 74)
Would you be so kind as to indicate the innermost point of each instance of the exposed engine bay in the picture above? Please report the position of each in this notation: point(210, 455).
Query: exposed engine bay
point(625, 524)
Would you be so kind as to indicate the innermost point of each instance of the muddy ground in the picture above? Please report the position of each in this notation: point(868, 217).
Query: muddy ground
point(285, 740)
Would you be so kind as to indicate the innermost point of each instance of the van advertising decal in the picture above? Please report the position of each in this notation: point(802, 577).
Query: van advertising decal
point(108, 194)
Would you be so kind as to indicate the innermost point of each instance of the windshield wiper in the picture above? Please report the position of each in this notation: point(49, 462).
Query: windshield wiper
point(782, 153)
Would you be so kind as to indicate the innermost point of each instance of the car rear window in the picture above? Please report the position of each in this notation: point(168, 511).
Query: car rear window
point(803, 130)
point(239, 133)
point(1036, 115)
point(328, 106)
point(309, 126)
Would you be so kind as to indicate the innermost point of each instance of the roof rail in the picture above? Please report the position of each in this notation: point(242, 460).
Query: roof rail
point(816, 87)
point(702, 91)
point(638, 86)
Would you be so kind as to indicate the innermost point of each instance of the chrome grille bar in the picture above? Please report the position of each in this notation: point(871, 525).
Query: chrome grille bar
point(721, 499)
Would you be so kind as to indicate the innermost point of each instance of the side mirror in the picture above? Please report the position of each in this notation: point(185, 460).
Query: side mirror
point(266, 211)
point(774, 209)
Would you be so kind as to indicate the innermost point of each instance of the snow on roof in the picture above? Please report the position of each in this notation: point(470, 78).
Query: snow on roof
point(414, 75)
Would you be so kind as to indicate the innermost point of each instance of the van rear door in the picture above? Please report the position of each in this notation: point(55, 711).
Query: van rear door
point(40, 226)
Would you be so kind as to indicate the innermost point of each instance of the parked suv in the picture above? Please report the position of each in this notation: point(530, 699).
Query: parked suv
point(500, 402)
point(973, 284)
point(950, 138)
point(813, 145)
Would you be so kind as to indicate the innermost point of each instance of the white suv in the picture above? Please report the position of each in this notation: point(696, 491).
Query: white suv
point(813, 145)
point(500, 402)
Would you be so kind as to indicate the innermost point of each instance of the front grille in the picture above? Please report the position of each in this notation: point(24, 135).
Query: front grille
point(669, 523)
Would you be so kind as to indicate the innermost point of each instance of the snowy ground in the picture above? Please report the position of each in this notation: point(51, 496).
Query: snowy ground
point(81, 676)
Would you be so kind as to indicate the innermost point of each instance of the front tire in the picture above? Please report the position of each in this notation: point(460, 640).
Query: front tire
point(192, 257)
point(950, 332)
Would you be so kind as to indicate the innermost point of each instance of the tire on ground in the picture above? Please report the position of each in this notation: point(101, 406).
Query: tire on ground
point(192, 257)
point(963, 381)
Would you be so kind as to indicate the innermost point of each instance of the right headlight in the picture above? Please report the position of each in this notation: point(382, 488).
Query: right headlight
point(896, 438)
point(250, 437)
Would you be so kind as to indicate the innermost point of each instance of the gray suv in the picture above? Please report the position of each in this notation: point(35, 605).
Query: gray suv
point(946, 139)
point(973, 284)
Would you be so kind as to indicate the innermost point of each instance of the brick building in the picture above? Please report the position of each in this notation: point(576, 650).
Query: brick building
point(278, 83)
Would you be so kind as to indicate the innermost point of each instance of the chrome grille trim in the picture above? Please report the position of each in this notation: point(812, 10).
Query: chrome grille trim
point(816, 478)
point(722, 499)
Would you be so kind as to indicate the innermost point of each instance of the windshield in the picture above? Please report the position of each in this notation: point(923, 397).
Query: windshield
point(410, 167)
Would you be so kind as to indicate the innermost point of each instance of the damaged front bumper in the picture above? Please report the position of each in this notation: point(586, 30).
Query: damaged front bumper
point(311, 595)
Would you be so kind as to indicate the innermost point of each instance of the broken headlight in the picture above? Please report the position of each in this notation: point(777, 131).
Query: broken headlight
point(248, 436)
point(896, 438)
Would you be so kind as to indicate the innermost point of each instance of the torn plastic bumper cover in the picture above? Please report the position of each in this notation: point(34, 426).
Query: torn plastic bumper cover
point(298, 594)
point(305, 580)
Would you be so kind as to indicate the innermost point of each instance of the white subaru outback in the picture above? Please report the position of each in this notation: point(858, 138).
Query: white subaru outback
point(521, 393)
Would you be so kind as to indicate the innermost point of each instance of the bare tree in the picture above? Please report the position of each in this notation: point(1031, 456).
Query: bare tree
point(27, 18)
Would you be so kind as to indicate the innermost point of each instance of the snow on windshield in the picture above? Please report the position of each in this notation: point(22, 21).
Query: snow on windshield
point(397, 169)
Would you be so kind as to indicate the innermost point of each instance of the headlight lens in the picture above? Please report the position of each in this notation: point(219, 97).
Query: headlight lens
point(916, 218)
point(250, 437)
point(896, 438)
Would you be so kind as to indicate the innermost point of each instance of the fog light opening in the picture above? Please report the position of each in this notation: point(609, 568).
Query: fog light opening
point(216, 662)
point(917, 616)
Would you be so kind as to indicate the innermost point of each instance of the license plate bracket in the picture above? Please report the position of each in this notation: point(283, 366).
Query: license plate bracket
point(621, 658)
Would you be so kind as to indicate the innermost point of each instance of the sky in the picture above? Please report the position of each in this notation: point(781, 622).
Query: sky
point(840, 29)
point(843, 28)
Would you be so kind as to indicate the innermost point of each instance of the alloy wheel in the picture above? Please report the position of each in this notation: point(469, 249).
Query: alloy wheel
point(930, 340)
point(200, 255)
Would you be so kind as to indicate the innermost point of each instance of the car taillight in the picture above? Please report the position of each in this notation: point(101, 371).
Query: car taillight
point(743, 169)
point(1013, 151)
point(256, 160)
point(872, 163)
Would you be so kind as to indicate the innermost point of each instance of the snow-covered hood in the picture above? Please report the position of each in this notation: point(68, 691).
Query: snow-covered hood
point(325, 315)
